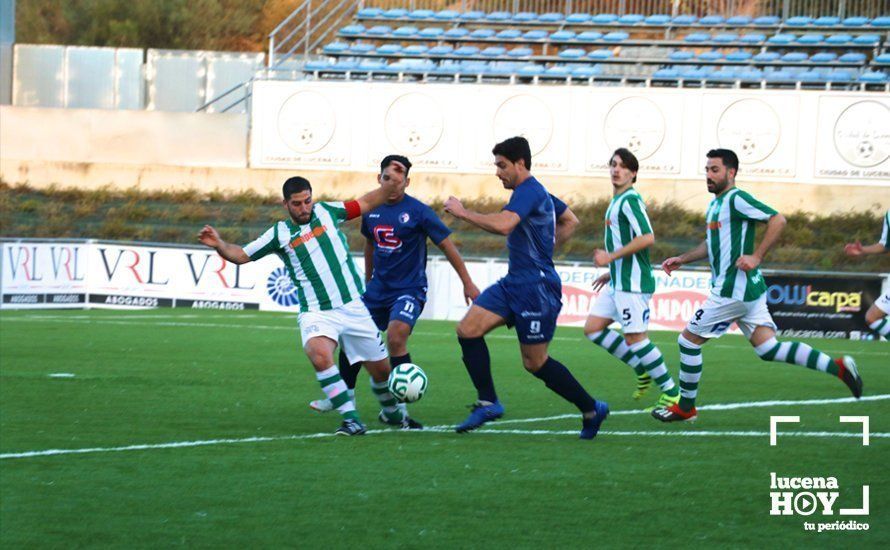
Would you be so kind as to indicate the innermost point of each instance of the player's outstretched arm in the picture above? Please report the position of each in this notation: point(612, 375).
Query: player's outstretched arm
point(500, 223)
point(641, 242)
point(674, 263)
point(471, 291)
point(371, 200)
point(774, 228)
point(209, 236)
point(857, 249)
point(565, 226)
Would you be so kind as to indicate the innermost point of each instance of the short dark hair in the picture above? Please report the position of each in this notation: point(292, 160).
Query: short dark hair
point(729, 158)
point(513, 149)
point(628, 159)
point(295, 184)
point(403, 160)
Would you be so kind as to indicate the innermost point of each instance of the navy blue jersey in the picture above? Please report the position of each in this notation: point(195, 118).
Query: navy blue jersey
point(399, 232)
point(531, 242)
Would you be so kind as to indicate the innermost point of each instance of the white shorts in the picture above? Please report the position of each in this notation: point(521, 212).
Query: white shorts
point(351, 325)
point(883, 303)
point(629, 309)
point(717, 314)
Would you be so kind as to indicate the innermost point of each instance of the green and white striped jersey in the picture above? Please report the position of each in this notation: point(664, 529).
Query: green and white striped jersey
point(730, 235)
point(626, 219)
point(316, 257)
point(885, 231)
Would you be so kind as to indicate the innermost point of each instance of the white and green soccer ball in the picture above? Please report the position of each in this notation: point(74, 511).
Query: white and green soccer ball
point(407, 382)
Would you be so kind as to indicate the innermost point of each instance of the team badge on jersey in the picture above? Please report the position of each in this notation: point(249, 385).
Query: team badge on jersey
point(404, 217)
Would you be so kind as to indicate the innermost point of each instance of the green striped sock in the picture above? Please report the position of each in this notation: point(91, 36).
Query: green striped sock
point(612, 342)
point(690, 372)
point(335, 388)
point(881, 326)
point(652, 360)
point(390, 405)
point(796, 353)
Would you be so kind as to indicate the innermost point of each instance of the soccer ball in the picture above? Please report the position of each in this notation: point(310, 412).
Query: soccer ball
point(407, 382)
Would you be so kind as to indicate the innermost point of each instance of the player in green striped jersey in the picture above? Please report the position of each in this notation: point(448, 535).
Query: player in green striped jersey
point(329, 288)
point(628, 237)
point(738, 291)
point(876, 316)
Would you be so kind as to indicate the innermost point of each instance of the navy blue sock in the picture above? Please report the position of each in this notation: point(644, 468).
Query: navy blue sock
point(478, 363)
point(396, 360)
point(558, 378)
point(349, 373)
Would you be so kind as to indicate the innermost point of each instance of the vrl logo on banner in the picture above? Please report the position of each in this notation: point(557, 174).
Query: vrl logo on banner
point(806, 495)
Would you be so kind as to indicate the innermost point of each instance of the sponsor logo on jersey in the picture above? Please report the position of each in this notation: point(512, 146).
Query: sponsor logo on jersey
point(404, 217)
point(305, 238)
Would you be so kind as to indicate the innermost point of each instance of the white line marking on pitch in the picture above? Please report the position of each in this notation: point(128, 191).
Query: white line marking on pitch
point(449, 429)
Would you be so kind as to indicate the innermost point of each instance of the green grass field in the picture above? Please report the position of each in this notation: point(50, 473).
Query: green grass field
point(255, 467)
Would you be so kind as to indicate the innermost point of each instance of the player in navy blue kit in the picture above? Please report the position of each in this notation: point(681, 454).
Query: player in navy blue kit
point(395, 267)
point(529, 297)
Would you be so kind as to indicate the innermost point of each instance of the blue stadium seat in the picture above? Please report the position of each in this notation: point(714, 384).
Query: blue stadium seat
point(372, 65)
point(855, 21)
point(882, 22)
point(563, 35)
point(431, 32)
point(536, 34)
point(766, 57)
point(852, 57)
point(600, 54)
point(520, 51)
point(586, 71)
point(416, 49)
point(827, 21)
point(316, 65)
point(752, 38)
point(335, 47)
point(813, 75)
point(697, 37)
point(474, 67)
point(458, 32)
point(617, 36)
point(781, 39)
point(738, 55)
point(482, 33)
point(509, 34)
point(494, 51)
point(446, 15)
point(668, 73)
point(840, 38)
point(867, 39)
point(823, 57)
point(499, 68)
point(695, 73)
point(684, 20)
point(738, 20)
point(589, 36)
point(724, 73)
point(658, 19)
point(498, 16)
point(465, 51)
point(712, 55)
point(525, 16)
point(421, 14)
point(750, 74)
point(766, 21)
point(711, 20)
point(379, 30)
point(395, 13)
point(779, 75)
point(473, 15)
point(576, 18)
point(370, 12)
point(552, 17)
point(572, 53)
point(352, 30)
point(799, 21)
point(403, 32)
point(873, 77)
point(361, 47)
point(604, 18)
point(725, 37)
point(810, 39)
point(883, 59)
point(794, 57)
point(681, 55)
point(530, 70)
point(841, 75)
point(558, 70)
point(630, 19)
point(443, 49)
point(446, 68)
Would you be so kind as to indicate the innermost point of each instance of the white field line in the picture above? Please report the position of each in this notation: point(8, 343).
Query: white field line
point(139, 321)
point(450, 429)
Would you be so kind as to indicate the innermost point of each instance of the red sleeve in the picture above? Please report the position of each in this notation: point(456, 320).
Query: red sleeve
point(353, 209)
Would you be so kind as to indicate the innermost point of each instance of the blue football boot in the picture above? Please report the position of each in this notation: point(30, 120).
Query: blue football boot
point(592, 425)
point(480, 415)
